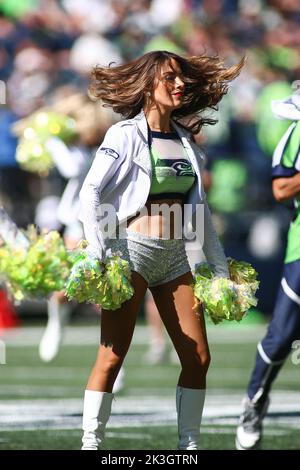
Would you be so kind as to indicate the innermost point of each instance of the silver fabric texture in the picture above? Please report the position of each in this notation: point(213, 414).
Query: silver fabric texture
point(157, 260)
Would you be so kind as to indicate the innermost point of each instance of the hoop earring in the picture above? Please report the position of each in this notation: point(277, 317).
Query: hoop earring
point(148, 93)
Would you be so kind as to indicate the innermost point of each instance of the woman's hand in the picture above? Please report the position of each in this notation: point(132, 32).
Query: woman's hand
point(94, 252)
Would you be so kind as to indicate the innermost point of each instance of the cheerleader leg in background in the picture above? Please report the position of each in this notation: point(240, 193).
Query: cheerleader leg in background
point(157, 349)
point(59, 312)
point(58, 309)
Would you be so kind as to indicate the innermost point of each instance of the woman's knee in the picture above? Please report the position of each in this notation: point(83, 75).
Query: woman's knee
point(198, 364)
point(109, 363)
point(207, 361)
point(204, 360)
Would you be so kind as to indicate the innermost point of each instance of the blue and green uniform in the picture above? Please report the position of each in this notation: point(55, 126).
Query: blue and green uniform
point(284, 327)
point(286, 163)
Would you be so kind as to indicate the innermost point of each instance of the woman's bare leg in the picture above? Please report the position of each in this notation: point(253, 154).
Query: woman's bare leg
point(175, 301)
point(117, 329)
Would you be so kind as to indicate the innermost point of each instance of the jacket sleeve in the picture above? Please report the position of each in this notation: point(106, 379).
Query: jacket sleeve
point(109, 157)
point(212, 248)
point(68, 160)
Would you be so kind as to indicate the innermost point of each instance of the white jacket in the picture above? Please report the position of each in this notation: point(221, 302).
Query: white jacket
point(121, 177)
point(73, 163)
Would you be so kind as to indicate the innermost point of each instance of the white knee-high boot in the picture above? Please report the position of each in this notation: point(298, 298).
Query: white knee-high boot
point(96, 413)
point(189, 405)
point(58, 317)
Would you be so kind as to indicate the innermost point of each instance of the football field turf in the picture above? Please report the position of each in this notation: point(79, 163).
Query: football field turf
point(41, 404)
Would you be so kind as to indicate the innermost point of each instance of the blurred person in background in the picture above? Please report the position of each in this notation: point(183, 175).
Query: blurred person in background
point(284, 328)
point(150, 92)
point(72, 159)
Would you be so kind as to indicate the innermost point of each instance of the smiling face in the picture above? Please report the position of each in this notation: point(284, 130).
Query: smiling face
point(169, 86)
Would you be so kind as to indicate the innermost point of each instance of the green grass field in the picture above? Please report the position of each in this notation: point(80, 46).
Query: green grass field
point(40, 404)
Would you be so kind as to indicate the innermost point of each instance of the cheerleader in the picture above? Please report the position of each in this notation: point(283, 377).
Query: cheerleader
point(143, 190)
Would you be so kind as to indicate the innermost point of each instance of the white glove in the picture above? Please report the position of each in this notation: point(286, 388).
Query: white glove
point(94, 252)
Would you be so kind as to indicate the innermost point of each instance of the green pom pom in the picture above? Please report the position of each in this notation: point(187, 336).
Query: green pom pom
point(31, 152)
point(40, 270)
point(226, 299)
point(241, 272)
point(32, 155)
point(46, 124)
point(104, 283)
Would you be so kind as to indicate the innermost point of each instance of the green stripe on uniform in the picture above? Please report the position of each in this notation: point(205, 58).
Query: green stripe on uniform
point(291, 148)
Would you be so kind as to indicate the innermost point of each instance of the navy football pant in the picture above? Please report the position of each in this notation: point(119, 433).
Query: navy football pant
point(283, 330)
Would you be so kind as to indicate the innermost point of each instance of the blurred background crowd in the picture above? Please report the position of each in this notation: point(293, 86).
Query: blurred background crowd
point(47, 49)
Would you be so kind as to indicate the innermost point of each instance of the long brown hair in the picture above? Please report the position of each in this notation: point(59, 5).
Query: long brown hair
point(206, 79)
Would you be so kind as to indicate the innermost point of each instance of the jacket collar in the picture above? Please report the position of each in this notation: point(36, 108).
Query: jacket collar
point(143, 129)
point(142, 125)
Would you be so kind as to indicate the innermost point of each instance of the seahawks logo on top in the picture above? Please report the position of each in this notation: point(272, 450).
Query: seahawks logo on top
point(166, 167)
point(110, 152)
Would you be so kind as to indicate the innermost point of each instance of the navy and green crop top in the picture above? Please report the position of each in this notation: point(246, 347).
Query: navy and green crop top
point(172, 172)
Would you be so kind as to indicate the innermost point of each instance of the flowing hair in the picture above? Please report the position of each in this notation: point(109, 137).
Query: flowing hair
point(206, 80)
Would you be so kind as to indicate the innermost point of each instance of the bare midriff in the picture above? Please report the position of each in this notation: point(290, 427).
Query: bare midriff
point(160, 218)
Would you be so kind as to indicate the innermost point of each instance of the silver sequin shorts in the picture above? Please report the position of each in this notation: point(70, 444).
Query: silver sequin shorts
point(157, 260)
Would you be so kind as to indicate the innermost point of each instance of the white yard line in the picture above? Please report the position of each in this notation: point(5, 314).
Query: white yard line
point(220, 410)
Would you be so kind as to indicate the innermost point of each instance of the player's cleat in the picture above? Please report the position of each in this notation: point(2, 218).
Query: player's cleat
point(249, 430)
